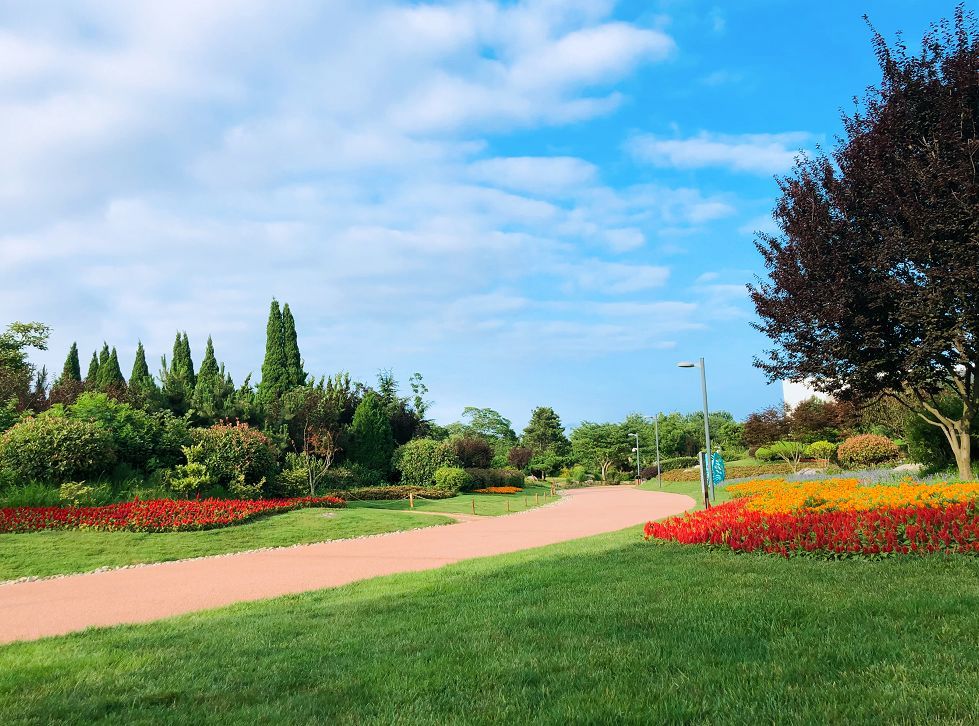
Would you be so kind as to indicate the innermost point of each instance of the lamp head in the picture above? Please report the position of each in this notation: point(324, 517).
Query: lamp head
point(686, 364)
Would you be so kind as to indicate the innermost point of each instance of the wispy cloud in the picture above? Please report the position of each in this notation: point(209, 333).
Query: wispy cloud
point(752, 153)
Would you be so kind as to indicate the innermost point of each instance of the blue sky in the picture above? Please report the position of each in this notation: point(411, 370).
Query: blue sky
point(530, 203)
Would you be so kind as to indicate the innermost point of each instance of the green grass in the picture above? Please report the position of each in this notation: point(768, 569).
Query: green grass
point(599, 630)
point(59, 552)
point(490, 505)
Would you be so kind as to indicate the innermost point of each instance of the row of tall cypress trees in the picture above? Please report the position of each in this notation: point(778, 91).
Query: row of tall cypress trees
point(209, 393)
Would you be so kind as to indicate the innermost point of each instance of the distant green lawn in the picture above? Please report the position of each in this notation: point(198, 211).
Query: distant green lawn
point(60, 552)
point(599, 630)
point(490, 505)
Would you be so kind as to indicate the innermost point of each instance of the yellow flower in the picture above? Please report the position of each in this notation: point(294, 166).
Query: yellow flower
point(779, 495)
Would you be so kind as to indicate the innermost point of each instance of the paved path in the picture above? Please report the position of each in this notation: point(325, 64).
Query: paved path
point(30, 610)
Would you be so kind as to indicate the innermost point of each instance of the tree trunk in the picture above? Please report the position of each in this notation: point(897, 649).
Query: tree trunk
point(962, 448)
point(959, 436)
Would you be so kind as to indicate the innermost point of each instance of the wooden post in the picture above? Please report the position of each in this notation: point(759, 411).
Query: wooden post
point(474, 505)
point(411, 499)
point(508, 505)
point(537, 498)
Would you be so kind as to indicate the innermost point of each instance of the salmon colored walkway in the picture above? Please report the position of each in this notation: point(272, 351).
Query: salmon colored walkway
point(41, 608)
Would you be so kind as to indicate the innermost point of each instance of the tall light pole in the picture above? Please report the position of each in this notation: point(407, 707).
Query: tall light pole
point(638, 467)
point(703, 390)
point(659, 473)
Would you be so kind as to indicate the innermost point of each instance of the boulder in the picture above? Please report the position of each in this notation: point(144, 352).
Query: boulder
point(913, 469)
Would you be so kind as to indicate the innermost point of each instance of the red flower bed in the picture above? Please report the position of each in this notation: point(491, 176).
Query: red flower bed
point(157, 515)
point(833, 534)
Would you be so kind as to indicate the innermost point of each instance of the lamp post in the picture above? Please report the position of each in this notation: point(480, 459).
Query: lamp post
point(659, 473)
point(638, 466)
point(703, 390)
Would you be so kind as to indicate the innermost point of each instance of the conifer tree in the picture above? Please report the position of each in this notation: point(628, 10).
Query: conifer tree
point(178, 377)
point(208, 398)
point(110, 377)
point(104, 356)
point(93, 371)
point(275, 373)
point(371, 440)
point(188, 360)
point(290, 341)
point(142, 386)
point(72, 370)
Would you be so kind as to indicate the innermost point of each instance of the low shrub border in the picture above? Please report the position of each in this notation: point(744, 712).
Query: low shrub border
point(498, 490)
point(157, 515)
point(733, 472)
point(398, 491)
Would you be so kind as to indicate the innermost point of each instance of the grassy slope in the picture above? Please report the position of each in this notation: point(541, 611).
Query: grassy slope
point(486, 504)
point(600, 629)
point(52, 553)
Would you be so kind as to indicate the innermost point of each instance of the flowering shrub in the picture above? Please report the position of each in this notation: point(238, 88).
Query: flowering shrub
point(158, 515)
point(833, 534)
point(778, 495)
point(498, 490)
point(866, 450)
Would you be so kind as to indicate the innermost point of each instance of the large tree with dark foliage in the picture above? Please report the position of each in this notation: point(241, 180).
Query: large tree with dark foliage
point(873, 283)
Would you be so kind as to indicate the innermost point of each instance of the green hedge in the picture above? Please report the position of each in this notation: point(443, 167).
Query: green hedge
point(485, 478)
point(395, 491)
point(733, 472)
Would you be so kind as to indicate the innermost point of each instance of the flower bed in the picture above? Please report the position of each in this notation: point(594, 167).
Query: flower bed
point(158, 515)
point(833, 519)
point(778, 495)
point(498, 490)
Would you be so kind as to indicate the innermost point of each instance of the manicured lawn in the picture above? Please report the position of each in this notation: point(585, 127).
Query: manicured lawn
point(690, 488)
point(60, 552)
point(604, 629)
point(490, 505)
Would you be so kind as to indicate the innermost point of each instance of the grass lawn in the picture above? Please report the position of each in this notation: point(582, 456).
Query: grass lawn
point(60, 552)
point(608, 628)
point(486, 504)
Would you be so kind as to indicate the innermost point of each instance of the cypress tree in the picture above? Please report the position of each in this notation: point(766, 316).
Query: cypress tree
point(188, 360)
point(73, 369)
point(93, 371)
point(178, 378)
point(275, 374)
point(371, 440)
point(142, 386)
point(110, 375)
point(294, 362)
point(102, 371)
point(208, 390)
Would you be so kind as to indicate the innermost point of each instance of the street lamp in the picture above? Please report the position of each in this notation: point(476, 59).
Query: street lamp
point(638, 468)
point(659, 473)
point(703, 390)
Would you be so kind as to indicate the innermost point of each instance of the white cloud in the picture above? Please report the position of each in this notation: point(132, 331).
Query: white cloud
point(535, 175)
point(616, 278)
point(175, 164)
point(754, 153)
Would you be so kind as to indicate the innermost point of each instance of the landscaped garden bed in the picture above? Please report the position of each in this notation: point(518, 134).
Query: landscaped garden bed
point(834, 518)
point(158, 515)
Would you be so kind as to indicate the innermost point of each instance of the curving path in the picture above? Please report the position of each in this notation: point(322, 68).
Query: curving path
point(30, 610)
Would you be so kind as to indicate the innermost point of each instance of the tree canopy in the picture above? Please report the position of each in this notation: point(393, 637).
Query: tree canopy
point(873, 286)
